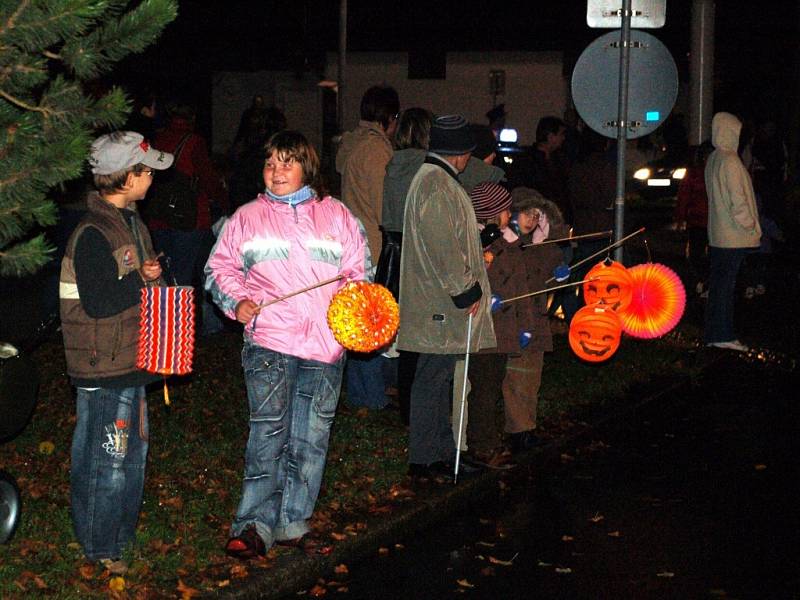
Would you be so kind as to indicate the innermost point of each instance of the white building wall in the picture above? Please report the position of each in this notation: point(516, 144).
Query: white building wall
point(535, 86)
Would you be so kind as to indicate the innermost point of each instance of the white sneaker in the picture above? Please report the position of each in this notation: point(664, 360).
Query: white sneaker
point(731, 345)
point(749, 293)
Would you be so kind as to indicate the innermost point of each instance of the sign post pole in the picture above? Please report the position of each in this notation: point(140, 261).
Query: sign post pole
point(622, 125)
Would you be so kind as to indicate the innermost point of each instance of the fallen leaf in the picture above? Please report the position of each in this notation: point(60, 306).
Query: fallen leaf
point(486, 544)
point(666, 574)
point(567, 538)
point(484, 521)
point(116, 584)
point(399, 547)
point(488, 571)
point(760, 467)
point(383, 551)
point(596, 518)
point(46, 447)
point(464, 583)
point(338, 536)
point(565, 570)
point(614, 534)
point(224, 583)
point(239, 571)
point(187, 592)
point(543, 564)
point(39, 582)
point(567, 457)
point(505, 563)
point(318, 591)
point(343, 590)
point(341, 569)
point(87, 571)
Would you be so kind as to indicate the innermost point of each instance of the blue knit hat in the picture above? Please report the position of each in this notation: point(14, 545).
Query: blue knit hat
point(450, 135)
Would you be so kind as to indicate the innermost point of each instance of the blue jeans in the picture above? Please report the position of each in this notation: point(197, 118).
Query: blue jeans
point(366, 385)
point(109, 453)
point(292, 406)
point(724, 266)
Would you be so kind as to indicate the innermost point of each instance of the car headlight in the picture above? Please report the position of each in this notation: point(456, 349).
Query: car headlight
point(679, 173)
point(642, 174)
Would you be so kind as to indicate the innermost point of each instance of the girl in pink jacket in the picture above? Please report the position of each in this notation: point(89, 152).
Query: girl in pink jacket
point(286, 239)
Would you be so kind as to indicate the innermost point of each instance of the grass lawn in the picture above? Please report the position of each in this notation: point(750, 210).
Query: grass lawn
point(196, 461)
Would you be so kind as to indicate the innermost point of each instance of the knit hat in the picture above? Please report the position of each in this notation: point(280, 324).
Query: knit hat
point(450, 135)
point(489, 199)
point(121, 150)
point(485, 142)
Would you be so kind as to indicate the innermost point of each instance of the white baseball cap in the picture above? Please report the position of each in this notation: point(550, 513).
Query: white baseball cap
point(121, 150)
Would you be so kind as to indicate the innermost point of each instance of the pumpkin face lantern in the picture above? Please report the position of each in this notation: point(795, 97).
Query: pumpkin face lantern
point(595, 333)
point(612, 286)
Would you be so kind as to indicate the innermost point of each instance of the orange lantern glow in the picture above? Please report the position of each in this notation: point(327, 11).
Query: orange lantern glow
point(363, 316)
point(611, 286)
point(595, 333)
point(658, 301)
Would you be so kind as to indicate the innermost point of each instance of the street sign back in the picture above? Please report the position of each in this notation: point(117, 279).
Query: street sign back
point(646, 14)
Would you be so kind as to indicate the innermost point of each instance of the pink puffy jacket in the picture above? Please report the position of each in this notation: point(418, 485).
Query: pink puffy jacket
point(268, 249)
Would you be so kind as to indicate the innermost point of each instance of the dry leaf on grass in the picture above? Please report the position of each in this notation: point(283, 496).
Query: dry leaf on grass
point(186, 591)
point(318, 591)
point(464, 583)
point(116, 584)
point(341, 569)
point(505, 563)
point(596, 518)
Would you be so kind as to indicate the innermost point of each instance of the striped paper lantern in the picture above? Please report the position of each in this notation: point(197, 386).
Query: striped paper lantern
point(166, 330)
point(657, 302)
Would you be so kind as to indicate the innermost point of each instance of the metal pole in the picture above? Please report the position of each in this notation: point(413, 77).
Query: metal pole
point(622, 124)
point(340, 105)
point(701, 72)
point(463, 399)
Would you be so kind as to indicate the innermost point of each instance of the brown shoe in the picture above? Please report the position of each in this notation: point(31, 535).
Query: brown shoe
point(494, 459)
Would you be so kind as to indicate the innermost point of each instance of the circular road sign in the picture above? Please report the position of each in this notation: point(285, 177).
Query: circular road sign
point(652, 84)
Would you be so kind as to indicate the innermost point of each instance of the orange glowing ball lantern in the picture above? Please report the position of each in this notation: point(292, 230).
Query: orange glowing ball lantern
point(595, 333)
point(612, 285)
point(658, 301)
point(363, 316)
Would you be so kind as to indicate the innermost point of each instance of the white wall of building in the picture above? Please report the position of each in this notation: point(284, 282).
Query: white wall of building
point(534, 85)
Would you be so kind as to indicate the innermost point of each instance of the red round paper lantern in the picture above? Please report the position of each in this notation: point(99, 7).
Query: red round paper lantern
point(657, 304)
point(595, 333)
point(363, 316)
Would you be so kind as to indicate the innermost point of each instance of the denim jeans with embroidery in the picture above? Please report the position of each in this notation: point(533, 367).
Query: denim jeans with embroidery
point(109, 452)
point(292, 406)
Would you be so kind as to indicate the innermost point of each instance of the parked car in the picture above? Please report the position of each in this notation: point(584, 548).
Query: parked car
point(659, 178)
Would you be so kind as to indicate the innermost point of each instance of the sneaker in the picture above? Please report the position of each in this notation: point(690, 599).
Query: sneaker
point(699, 287)
point(115, 566)
point(749, 293)
point(760, 290)
point(247, 544)
point(731, 345)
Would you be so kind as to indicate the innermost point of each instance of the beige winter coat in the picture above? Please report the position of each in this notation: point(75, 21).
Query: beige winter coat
point(362, 160)
point(732, 212)
point(441, 260)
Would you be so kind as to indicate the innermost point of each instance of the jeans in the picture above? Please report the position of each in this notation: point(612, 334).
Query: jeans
point(292, 405)
point(366, 385)
point(109, 453)
point(724, 266)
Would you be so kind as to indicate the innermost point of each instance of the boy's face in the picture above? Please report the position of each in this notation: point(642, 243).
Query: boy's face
point(528, 220)
point(282, 177)
point(139, 183)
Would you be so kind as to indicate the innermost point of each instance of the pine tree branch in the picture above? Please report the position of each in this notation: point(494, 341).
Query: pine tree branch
point(17, 102)
point(12, 20)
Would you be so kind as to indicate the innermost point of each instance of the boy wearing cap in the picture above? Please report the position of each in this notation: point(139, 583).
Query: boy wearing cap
point(442, 282)
point(109, 258)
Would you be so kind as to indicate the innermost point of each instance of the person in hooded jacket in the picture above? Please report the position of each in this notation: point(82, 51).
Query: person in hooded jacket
point(733, 229)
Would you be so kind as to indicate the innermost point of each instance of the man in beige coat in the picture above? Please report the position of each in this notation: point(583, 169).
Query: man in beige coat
point(442, 281)
point(733, 228)
point(362, 160)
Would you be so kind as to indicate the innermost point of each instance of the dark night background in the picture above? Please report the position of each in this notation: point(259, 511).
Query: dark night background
point(755, 65)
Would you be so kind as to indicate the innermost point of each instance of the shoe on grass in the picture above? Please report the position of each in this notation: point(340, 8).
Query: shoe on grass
point(246, 545)
point(115, 566)
point(730, 345)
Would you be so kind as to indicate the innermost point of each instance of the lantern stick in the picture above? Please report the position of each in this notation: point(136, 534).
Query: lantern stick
point(550, 289)
point(305, 289)
point(603, 251)
point(463, 399)
point(608, 233)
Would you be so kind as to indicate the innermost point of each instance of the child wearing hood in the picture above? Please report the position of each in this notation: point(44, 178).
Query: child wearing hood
point(536, 220)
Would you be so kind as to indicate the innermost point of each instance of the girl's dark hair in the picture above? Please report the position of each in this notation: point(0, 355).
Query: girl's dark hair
point(414, 129)
point(293, 145)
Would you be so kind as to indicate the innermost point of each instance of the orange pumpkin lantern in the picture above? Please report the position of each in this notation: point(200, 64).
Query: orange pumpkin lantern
point(612, 285)
point(595, 333)
point(363, 316)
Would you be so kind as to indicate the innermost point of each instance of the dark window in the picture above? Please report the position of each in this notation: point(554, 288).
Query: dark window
point(427, 64)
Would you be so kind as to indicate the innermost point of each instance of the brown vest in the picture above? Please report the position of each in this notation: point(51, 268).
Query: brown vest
point(101, 348)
